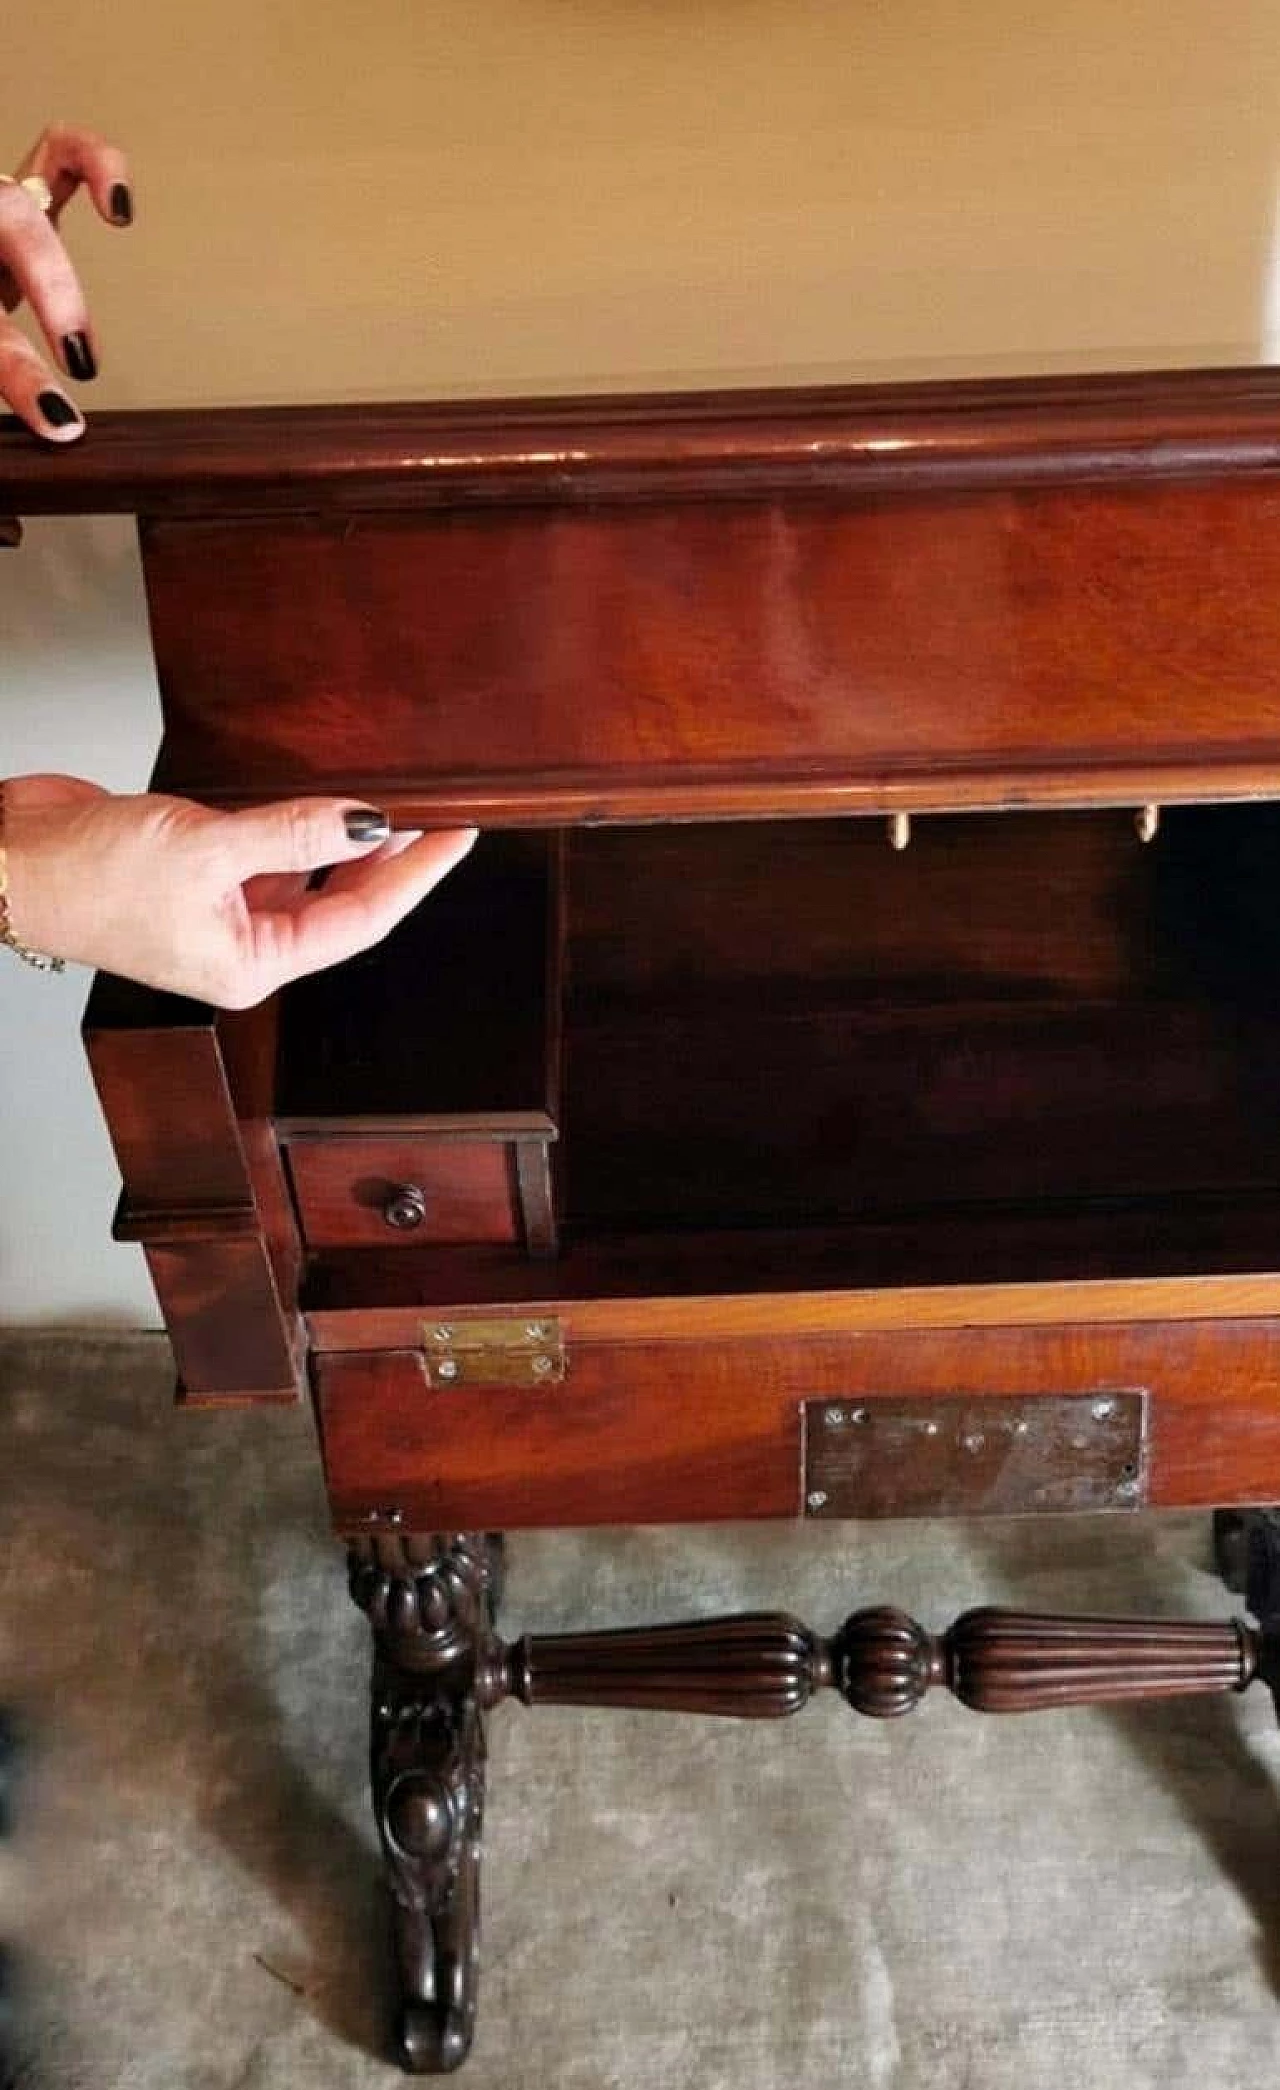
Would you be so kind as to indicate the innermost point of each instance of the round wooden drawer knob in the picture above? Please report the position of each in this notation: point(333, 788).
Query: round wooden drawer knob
point(406, 1206)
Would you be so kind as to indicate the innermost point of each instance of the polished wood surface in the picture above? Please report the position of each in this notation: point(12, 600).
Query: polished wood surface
point(218, 1239)
point(825, 601)
point(351, 1191)
point(1093, 645)
point(794, 1119)
point(655, 1427)
point(766, 1665)
point(847, 439)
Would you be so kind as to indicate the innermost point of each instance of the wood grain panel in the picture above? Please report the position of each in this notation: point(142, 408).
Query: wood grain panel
point(735, 1317)
point(158, 1068)
point(218, 1235)
point(759, 653)
point(746, 1118)
point(665, 1431)
point(233, 1340)
point(981, 906)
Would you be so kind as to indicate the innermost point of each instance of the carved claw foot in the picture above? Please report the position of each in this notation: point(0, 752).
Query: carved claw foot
point(1246, 1549)
point(428, 1791)
point(1246, 1546)
point(430, 1602)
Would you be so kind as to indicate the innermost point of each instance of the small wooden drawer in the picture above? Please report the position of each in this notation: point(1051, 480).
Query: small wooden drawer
point(374, 1191)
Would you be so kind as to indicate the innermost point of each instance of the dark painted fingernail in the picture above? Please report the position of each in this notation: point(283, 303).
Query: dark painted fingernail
point(58, 412)
point(367, 824)
point(121, 203)
point(79, 356)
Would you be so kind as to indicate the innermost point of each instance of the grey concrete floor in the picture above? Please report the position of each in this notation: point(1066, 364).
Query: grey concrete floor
point(189, 1881)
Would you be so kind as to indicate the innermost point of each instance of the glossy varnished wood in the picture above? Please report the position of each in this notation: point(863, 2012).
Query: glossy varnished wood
point(862, 438)
point(656, 1427)
point(1055, 591)
point(346, 1190)
point(201, 1192)
point(766, 1665)
point(981, 1126)
point(982, 648)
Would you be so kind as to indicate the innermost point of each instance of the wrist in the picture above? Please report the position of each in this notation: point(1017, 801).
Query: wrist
point(10, 931)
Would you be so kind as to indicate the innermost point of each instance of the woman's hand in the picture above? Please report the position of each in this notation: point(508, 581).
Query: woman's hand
point(212, 905)
point(35, 265)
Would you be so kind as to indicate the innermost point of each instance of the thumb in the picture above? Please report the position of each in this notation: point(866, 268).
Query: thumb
point(303, 834)
point(50, 793)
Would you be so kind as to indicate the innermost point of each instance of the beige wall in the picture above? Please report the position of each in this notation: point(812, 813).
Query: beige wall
point(404, 196)
point(408, 197)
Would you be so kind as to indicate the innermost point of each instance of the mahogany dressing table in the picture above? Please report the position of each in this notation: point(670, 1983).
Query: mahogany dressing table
point(841, 1081)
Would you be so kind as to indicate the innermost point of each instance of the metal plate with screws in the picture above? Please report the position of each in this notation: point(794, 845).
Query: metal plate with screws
point(973, 1454)
point(514, 1351)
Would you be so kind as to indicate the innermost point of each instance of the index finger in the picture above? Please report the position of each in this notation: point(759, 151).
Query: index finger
point(66, 157)
point(325, 927)
point(38, 264)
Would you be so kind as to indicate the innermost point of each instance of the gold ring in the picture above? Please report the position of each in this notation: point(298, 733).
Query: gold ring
point(35, 185)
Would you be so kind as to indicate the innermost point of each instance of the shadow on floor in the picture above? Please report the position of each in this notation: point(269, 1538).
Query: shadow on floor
point(195, 1634)
point(1235, 1813)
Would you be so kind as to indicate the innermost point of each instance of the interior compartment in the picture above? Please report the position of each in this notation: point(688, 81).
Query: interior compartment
point(455, 1015)
point(783, 1054)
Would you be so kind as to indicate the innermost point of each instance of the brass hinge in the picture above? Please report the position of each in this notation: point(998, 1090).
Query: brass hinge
point(514, 1351)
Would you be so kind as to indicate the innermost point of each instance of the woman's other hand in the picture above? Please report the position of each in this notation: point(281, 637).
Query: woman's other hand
point(35, 266)
point(213, 905)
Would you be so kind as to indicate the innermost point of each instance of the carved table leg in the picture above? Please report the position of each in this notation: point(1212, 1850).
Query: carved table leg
point(439, 1667)
point(430, 1602)
point(1246, 1544)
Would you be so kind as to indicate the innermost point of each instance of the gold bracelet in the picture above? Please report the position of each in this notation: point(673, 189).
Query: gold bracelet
point(24, 951)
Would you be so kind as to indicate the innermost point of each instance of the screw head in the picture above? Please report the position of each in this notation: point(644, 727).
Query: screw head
point(833, 1417)
point(1127, 1488)
point(442, 1333)
point(536, 1331)
point(447, 1368)
point(541, 1367)
point(1103, 1408)
point(973, 1440)
point(857, 1414)
point(816, 1498)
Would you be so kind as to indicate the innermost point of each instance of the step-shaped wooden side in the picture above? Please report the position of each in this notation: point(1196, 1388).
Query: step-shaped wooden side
point(200, 1194)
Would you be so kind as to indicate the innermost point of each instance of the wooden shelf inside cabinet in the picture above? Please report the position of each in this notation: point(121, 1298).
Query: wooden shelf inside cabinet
point(1029, 1022)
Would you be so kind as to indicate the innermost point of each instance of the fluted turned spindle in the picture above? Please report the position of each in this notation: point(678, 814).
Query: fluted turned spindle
point(766, 1665)
point(1015, 1662)
point(756, 1666)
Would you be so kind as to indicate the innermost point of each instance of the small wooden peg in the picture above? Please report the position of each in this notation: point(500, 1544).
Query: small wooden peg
point(899, 830)
point(1147, 820)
